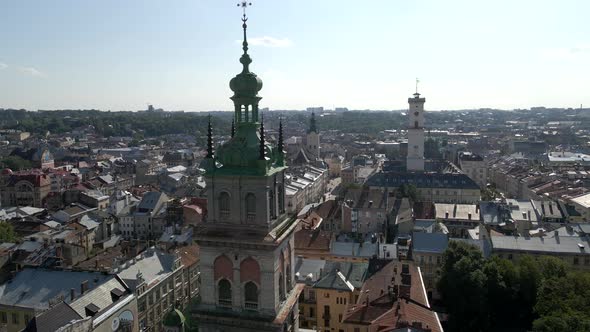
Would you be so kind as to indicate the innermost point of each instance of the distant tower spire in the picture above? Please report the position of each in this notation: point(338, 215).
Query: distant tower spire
point(233, 128)
point(209, 140)
point(417, 81)
point(312, 124)
point(262, 153)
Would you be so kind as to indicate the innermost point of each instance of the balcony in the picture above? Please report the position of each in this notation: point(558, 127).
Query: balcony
point(225, 303)
point(251, 305)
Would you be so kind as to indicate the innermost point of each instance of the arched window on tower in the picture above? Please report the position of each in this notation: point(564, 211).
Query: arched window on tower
point(224, 293)
point(281, 287)
point(250, 295)
point(250, 207)
point(224, 205)
point(281, 199)
point(271, 204)
point(415, 124)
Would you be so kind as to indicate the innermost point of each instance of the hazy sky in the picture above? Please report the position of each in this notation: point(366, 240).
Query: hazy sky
point(181, 54)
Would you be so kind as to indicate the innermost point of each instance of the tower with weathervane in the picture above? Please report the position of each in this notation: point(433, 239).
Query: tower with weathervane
point(415, 159)
point(246, 242)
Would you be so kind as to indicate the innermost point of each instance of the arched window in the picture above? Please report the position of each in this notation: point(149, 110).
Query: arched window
point(281, 199)
point(271, 204)
point(249, 270)
point(415, 124)
point(224, 292)
point(250, 295)
point(250, 207)
point(281, 287)
point(223, 268)
point(224, 205)
point(288, 278)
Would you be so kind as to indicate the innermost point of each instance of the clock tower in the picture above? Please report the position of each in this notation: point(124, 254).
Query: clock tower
point(415, 160)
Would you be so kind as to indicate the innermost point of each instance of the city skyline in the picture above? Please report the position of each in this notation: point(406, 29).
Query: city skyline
point(121, 57)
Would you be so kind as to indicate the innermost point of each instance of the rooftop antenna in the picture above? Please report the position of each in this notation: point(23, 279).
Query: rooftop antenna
point(417, 81)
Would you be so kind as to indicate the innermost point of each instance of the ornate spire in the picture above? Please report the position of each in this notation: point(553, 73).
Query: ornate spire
point(312, 124)
point(209, 140)
point(233, 128)
point(262, 152)
point(245, 59)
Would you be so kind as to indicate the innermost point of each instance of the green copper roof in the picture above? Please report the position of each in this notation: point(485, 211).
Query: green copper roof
point(245, 84)
point(174, 318)
point(247, 152)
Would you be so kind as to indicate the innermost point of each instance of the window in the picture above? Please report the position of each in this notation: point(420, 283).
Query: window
point(250, 207)
point(251, 295)
point(327, 295)
point(224, 205)
point(27, 319)
point(224, 291)
point(3, 317)
point(281, 287)
point(271, 204)
point(281, 194)
point(15, 318)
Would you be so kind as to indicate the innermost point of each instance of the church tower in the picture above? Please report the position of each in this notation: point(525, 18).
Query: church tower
point(415, 160)
point(246, 242)
point(312, 140)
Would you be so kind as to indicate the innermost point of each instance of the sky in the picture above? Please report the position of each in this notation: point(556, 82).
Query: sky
point(180, 54)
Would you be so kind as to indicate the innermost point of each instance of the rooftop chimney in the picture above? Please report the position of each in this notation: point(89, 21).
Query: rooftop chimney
point(83, 287)
point(72, 294)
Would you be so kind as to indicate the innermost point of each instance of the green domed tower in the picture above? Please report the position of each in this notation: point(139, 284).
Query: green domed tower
point(246, 241)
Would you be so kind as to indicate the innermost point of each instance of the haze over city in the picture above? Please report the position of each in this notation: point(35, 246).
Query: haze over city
point(113, 55)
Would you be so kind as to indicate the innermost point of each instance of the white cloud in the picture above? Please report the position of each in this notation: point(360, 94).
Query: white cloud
point(3, 65)
point(567, 53)
point(270, 41)
point(31, 71)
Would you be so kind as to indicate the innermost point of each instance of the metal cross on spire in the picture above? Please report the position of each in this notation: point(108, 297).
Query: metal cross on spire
point(244, 5)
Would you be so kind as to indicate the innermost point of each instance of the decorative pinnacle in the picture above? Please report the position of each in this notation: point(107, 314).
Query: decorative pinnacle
point(209, 140)
point(280, 143)
point(262, 153)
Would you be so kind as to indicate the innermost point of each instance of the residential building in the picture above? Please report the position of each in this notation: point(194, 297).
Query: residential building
point(475, 167)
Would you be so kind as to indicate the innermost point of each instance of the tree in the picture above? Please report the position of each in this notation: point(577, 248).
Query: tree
point(7, 232)
point(564, 303)
point(16, 163)
point(462, 285)
point(408, 190)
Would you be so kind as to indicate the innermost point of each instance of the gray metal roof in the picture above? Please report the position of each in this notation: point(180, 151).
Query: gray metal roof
point(99, 296)
point(354, 249)
point(435, 243)
point(306, 267)
point(154, 265)
point(34, 288)
point(343, 275)
point(547, 244)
